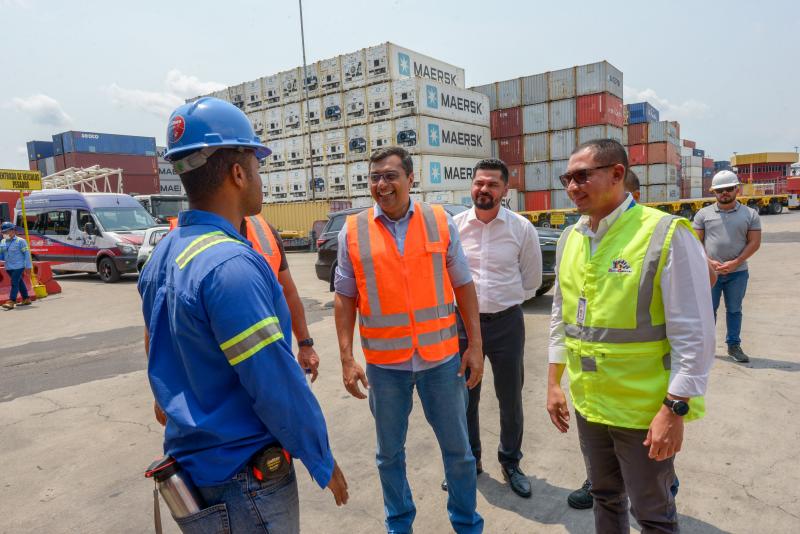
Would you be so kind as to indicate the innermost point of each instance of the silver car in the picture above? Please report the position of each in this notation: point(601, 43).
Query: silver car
point(151, 238)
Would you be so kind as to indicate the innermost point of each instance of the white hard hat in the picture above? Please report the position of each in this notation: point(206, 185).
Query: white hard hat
point(724, 179)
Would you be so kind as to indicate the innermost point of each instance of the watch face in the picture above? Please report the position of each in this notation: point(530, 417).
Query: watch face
point(680, 407)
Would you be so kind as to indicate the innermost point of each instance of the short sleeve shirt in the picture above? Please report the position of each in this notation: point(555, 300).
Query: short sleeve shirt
point(726, 231)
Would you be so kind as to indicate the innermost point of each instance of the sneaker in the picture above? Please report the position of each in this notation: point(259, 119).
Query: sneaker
point(738, 355)
point(9, 305)
point(25, 302)
point(581, 499)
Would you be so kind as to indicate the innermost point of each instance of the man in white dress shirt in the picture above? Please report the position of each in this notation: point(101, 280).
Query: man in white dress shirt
point(503, 252)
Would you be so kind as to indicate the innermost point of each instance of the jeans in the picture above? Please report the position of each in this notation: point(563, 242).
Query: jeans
point(17, 284)
point(245, 505)
point(733, 286)
point(444, 401)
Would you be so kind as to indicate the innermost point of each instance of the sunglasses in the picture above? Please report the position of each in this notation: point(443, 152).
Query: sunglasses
point(580, 176)
point(725, 189)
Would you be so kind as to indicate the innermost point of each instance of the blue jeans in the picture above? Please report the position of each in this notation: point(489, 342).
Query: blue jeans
point(17, 285)
point(244, 505)
point(733, 286)
point(444, 401)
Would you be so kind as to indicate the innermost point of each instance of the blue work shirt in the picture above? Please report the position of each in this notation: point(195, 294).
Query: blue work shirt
point(14, 252)
point(220, 362)
point(344, 281)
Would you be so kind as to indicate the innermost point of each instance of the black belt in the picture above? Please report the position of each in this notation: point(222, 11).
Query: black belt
point(486, 317)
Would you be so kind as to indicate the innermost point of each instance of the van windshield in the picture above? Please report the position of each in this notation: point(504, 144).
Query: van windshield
point(124, 219)
point(168, 207)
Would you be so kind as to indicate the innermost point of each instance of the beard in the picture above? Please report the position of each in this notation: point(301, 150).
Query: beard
point(485, 202)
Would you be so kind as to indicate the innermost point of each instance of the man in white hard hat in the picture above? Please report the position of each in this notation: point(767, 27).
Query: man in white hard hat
point(731, 233)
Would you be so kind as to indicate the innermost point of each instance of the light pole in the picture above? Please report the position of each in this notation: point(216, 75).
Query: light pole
point(308, 112)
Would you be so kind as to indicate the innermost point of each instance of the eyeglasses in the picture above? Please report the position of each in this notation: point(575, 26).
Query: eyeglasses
point(388, 177)
point(581, 176)
point(725, 189)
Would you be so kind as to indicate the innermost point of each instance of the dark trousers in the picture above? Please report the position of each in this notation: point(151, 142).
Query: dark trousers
point(504, 345)
point(17, 284)
point(621, 470)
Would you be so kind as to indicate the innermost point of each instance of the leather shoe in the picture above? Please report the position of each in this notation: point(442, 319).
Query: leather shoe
point(738, 355)
point(581, 498)
point(517, 480)
point(478, 471)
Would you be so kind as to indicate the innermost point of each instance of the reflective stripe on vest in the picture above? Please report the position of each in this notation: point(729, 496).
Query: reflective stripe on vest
point(260, 234)
point(200, 244)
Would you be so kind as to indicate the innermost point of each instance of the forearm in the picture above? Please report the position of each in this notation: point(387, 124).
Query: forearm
point(345, 319)
point(467, 301)
point(749, 249)
point(296, 309)
point(554, 373)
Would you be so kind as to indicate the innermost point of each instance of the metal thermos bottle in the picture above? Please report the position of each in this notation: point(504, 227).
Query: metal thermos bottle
point(176, 487)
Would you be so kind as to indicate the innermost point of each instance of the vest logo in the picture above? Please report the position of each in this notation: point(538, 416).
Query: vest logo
point(436, 172)
point(433, 134)
point(404, 64)
point(433, 96)
point(620, 266)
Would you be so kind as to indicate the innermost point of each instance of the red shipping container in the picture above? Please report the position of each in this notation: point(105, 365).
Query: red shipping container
point(708, 163)
point(689, 144)
point(637, 154)
point(516, 177)
point(506, 122)
point(537, 200)
point(511, 150)
point(602, 108)
point(60, 165)
point(662, 153)
point(637, 134)
point(139, 173)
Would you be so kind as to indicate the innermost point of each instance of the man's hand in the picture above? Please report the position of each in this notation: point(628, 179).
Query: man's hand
point(338, 485)
point(308, 359)
point(472, 359)
point(665, 435)
point(557, 408)
point(716, 265)
point(728, 267)
point(352, 374)
point(161, 417)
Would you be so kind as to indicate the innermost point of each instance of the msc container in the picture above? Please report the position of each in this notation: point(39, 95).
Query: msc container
point(290, 85)
point(292, 119)
point(537, 147)
point(387, 61)
point(537, 176)
point(602, 77)
point(601, 108)
point(662, 193)
point(516, 176)
point(277, 157)
point(557, 168)
point(297, 184)
point(559, 200)
point(296, 150)
point(316, 147)
point(510, 150)
point(509, 93)
point(237, 95)
point(562, 83)
point(103, 143)
point(537, 201)
point(562, 143)
point(40, 149)
point(536, 118)
point(641, 112)
point(637, 155)
point(381, 134)
point(428, 135)
point(638, 134)
point(336, 176)
point(662, 153)
point(698, 153)
point(278, 185)
point(605, 131)
point(355, 106)
point(379, 100)
point(661, 132)
point(424, 97)
point(490, 91)
point(535, 89)
point(506, 123)
point(358, 178)
point(332, 111)
point(330, 75)
point(357, 143)
point(444, 173)
point(272, 90)
point(312, 113)
point(641, 173)
point(334, 141)
point(661, 174)
point(562, 114)
point(253, 94)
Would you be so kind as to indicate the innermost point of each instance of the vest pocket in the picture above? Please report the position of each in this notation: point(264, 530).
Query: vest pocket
point(629, 388)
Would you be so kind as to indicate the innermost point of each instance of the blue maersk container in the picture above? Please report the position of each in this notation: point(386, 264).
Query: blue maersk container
point(103, 143)
point(642, 112)
point(39, 150)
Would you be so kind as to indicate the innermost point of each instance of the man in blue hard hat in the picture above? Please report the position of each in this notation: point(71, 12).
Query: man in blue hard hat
point(218, 335)
point(14, 251)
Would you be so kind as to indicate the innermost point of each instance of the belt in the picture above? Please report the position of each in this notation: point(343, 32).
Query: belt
point(487, 317)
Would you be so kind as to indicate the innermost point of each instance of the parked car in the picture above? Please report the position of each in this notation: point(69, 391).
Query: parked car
point(328, 246)
point(151, 238)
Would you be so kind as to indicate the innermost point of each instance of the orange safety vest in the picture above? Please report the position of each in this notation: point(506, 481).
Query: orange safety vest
point(173, 223)
point(405, 303)
point(260, 234)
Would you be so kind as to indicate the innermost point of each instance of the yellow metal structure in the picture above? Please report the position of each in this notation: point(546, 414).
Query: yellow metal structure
point(764, 157)
point(296, 217)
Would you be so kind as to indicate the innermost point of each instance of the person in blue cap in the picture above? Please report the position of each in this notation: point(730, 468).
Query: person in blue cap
point(14, 251)
point(218, 337)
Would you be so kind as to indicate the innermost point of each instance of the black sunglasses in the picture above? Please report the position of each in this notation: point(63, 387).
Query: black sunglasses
point(725, 189)
point(580, 176)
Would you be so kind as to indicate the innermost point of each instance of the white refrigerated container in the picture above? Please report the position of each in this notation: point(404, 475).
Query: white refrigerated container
point(428, 135)
point(424, 97)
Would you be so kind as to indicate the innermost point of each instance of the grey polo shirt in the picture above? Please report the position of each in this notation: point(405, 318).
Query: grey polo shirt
point(726, 231)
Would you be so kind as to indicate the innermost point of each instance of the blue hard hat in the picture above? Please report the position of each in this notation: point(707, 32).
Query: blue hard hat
point(210, 123)
point(8, 226)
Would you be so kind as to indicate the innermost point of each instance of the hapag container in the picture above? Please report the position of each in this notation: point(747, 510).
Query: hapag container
point(562, 83)
point(253, 94)
point(335, 144)
point(272, 90)
point(559, 200)
point(273, 119)
point(278, 185)
point(428, 135)
point(641, 112)
point(424, 97)
point(330, 75)
point(296, 151)
point(600, 108)
point(537, 176)
point(536, 118)
point(293, 119)
point(537, 147)
point(601, 77)
point(357, 143)
point(355, 106)
point(379, 101)
point(510, 150)
point(637, 134)
point(509, 93)
point(698, 152)
point(588, 133)
point(444, 173)
point(381, 134)
point(336, 176)
point(277, 159)
point(641, 173)
point(660, 132)
point(290, 85)
point(562, 114)
point(562, 143)
point(490, 91)
point(354, 69)
point(387, 61)
point(637, 155)
point(516, 176)
point(358, 178)
point(311, 111)
point(40, 149)
point(661, 174)
point(557, 168)
point(535, 89)
point(537, 201)
point(662, 153)
point(332, 111)
point(102, 143)
point(506, 123)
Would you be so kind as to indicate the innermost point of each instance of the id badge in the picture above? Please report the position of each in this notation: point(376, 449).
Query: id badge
point(581, 310)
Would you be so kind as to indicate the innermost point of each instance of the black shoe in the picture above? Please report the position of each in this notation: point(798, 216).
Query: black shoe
point(517, 480)
point(478, 471)
point(581, 499)
point(738, 355)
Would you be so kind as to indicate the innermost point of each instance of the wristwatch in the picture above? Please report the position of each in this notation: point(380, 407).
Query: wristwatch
point(308, 342)
point(678, 407)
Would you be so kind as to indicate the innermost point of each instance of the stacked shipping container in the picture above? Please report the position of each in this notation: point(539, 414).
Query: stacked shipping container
point(696, 171)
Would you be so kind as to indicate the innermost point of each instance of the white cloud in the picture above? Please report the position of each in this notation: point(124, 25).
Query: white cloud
point(189, 86)
point(42, 109)
point(22, 150)
point(178, 87)
point(669, 110)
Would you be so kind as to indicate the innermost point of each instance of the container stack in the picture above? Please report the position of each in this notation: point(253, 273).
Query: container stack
point(538, 120)
point(696, 171)
point(322, 125)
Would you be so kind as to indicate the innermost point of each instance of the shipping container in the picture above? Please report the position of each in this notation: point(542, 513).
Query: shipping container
point(695, 161)
point(297, 184)
point(272, 90)
point(273, 119)
point(39, 150)
point(662, 193)
point(428, 135)
point(290, 85)
point(510, 150)
point(625, 135)
point(357, 143)
point(638, 134)
point(298, 216)
point(516, 176)
point(536, 147)
point(557, 168)
point(723, 165)
point(641, 173)
point(601, 77)
point(641, 113)
point(277, 158)
point(296, 151)
point(588, 133)
point(537, 201)
point(513, 200)
point(662, 153)
point(562, 83)
point(696, 182)
point(535, 89)
point(660, 132)
point(677, 126)
point(562, 114)
point(355, 106)
point(133, 165)
point(537, 176)
point(495, 148)
point(637, 155)
point(316, 144)
point(236, 93)
point(49, 166)
point(696, 192)
point(379, 101)
point(103, 143)
point(536, 118)
point(330, 75)
point(708, 163)
point(278, 186)
point(358, 178)
point(444, 173)
point(222, 94)
point(601, 108)
point(688, 144)
point(661, 174)
point(293, 119)
point(354, 69)
point(336, 176)
point(310, 88)
point(698, 153)
point(562, 143)
point(490, 91)
point(387, 61)
point(311, 111)
point(708, 173)
point(686, 151)
point(509, 94)
point(507, 123)
point(332, 111)
point(438, 197)
point(253, 94)
point(335, 145)
point(424, 97)
point(559, 200)
point(58, 144)
point(381, 135)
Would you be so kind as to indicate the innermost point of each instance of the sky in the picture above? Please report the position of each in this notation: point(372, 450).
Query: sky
point(727, 71)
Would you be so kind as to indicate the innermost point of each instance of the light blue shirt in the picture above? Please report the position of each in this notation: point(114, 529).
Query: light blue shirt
point(457, 268)
point(14, 252)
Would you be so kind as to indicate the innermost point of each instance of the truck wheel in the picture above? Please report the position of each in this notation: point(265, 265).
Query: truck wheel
point(546, 286)
point(687, 213)
point(108, 271)
point(775, 208)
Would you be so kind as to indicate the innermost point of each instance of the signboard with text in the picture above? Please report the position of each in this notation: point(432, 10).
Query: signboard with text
point(20, 180)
